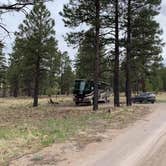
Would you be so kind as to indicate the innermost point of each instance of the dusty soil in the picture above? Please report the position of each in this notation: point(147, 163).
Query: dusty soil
point(25, 130)
point(86, 143)
point(140, 144)
point(157, 155)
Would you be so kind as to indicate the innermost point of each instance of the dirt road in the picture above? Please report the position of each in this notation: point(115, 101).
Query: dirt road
point(142, 144)
point(157, 157)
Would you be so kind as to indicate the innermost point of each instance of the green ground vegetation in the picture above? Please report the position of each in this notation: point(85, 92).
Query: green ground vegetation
point(25, 129)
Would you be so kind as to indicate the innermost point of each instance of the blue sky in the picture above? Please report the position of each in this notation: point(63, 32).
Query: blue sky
point(13, 19)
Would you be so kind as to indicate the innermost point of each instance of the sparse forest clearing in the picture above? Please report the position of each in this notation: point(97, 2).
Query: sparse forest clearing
point(91, 50)
point(25, 129)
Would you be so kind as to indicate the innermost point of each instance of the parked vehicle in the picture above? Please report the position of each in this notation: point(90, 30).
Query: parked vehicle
point(146, 97)
point(84, 91)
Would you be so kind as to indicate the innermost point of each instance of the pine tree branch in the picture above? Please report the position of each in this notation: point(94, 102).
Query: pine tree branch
point(19, 5)
point(2, 27)
point(1, 45)
point(15, 6)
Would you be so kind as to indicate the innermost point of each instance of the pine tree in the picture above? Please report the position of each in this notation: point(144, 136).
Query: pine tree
point(66, 79)
point(147, 44)
point(14, 71)
point(143, 43)
point(85, 58)
point(40, 47)
point(117, 55)
point(128, 54)
point(3, 72)
point(93, 14)
point(20, 72)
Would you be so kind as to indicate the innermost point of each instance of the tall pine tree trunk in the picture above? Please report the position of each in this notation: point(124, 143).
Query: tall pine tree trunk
point(36, 84)
point(143, 85)
point(128, 56)
point(15, 90)
point(29, 90)
point(4, 90)
point(116, 65)
point(97, 44)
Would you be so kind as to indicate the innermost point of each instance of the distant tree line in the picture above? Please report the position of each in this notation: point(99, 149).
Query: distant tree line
point(118, 41)
point(36, 66)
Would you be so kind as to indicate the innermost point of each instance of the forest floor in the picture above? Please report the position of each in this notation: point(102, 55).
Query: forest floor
point(60, 128)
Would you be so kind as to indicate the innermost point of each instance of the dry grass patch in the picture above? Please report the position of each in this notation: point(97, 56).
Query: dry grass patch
point(24, 129)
